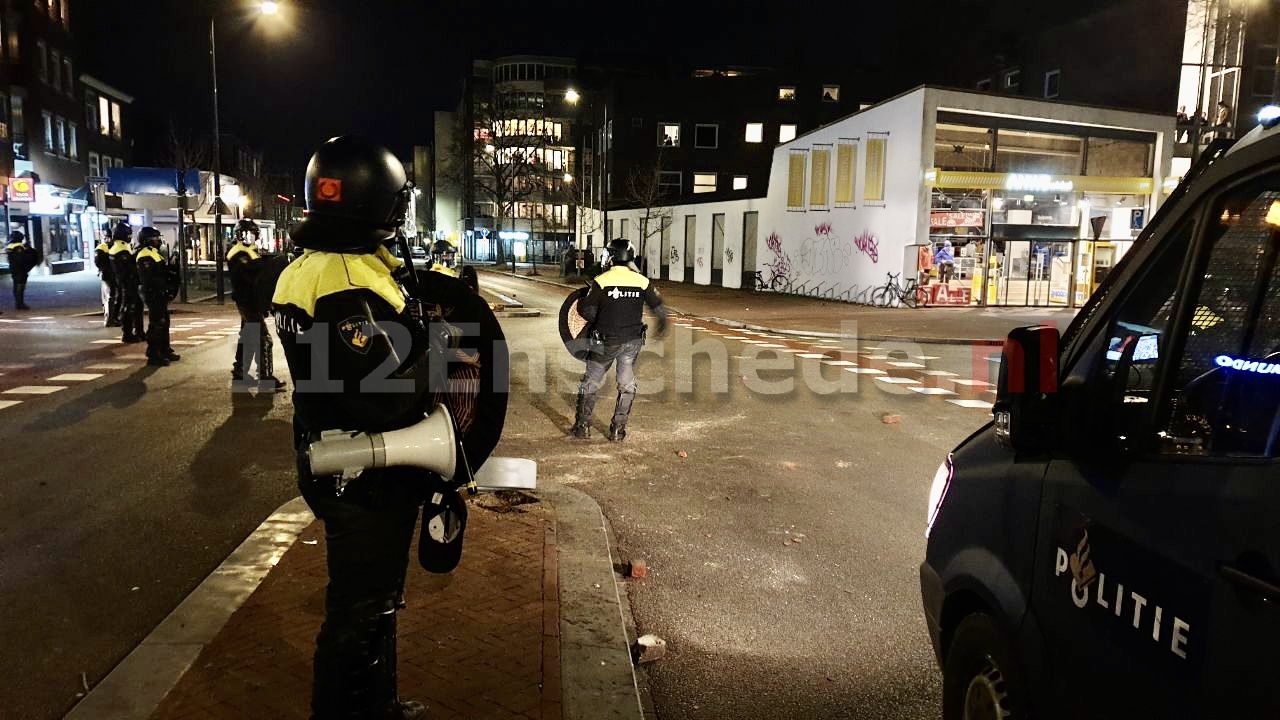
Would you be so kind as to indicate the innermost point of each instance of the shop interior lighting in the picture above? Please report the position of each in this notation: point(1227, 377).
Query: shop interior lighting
point(1028, 198)
point(997, 203)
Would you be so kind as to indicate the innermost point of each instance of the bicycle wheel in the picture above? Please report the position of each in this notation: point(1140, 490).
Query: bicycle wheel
point(880, 297)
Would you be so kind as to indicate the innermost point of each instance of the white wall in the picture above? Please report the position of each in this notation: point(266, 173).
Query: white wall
point(840, 252)
point(730, 260)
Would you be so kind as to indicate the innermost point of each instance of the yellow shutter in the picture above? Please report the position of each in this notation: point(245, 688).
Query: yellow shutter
point(846, 161)
point(795, 181)
point(874, 188)
point(821, 177)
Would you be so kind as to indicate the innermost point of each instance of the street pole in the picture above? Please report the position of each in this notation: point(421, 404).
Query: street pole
point(605, 167)
point(182, 235)
point(217, 167)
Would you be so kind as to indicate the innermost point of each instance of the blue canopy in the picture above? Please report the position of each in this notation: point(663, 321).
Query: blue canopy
point(150, 181)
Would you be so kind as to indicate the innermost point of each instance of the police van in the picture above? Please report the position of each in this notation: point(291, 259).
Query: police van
point(1109, 546)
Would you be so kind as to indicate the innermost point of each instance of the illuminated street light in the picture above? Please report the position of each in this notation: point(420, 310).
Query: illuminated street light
point(270, 7)
point(489, 149)
point(572, 96)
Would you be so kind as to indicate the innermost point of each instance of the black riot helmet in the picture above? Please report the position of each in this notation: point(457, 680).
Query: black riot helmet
point(149, 237)
point(122, 231)
point(621, 252)
point(357, 196)
point(245, 228)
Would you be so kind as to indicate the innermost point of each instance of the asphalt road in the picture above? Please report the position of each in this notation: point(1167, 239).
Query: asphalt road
point(117, 497)
point(782, 531)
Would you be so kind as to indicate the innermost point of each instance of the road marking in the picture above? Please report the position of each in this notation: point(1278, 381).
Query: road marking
point(906, 365)
point(41, 317)
point(205, 338)
point(976, 404)
point(75, 377)
point(926, 358)
point(864, 371)
point(897, 381)
point(51, 356)
point(771, 345)
point(7, 320)
point(839, 363)
point(931, 391)
point(184, 342)
point(109, 366)
point(811, 356)
point(133, 356)
point(755, 342)
point(35, 390)
point(117, 341)
point(971, 383)
point(9, 403)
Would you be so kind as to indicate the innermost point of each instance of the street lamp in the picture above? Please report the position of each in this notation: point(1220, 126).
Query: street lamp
point(268, 7)
point(572, 96)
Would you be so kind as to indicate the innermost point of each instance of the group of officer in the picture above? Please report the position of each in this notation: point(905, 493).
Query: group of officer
point(22, 259)
point(134, 279)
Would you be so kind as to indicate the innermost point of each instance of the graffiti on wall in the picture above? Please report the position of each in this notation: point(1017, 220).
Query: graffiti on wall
point(868, 244)
point(780, 268)
point(823, 254)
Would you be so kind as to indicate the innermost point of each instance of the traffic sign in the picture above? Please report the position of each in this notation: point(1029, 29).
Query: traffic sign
point(97, 179)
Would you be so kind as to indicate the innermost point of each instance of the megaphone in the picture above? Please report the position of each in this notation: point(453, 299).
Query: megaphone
point(429, 444)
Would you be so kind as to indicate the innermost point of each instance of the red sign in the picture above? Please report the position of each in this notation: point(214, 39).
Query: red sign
point(956, 218)
point(22, 190)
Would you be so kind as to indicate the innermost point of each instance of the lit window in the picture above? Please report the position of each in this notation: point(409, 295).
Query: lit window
point(60, 135)
point(787, 92)
point(72, 143)
point(104, 116)
point(786, 133)
point(95, 164)
point(117, 130)
point(48, 131)
point(704, 182)
point(706, 136)
point(739, 182)
point(1012, 79)
point(831, 93)
point(668, 135)
point(755, 132)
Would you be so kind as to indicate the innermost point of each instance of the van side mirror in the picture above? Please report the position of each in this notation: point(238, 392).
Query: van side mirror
point(1027, 399)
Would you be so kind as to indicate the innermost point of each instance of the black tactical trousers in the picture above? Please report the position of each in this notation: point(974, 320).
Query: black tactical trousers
point(131, 315)
point(368, 533)
point(254, 343)
point(157, 328)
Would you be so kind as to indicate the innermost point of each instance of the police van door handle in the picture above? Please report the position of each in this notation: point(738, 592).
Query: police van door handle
point(1270, 591)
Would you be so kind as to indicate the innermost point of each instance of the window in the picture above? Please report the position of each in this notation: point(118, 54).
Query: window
point(786, 133)
point(91, 112)
point(797, 164)
point(1052, 81)
point(873, 185)
point(117, 130)
point(53, 8)
point(69, 77)
point(55, 69)
point(66, 14)
point(622, 227)
point(48, 131)
point(704, 183)
point(15, 45)
point(73, 143)
point(846, 168)
point(787, 92)
point(739, 182)
point(819, 177)
point(669, 182)
point(831, 93)
point(42, 57)
point(18, 114)
point(1264, 71)
point(1012, 80)
point(95, 165)
point(706, 136)
point(60, 135)
point(637, 122)
point(4, 117)
point(984, 85)
point(668, 134)
point(1226, 389)
point(755, 132)
point(104, 116)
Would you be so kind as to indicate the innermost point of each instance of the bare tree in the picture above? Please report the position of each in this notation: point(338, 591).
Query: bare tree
point(182, 151)
point(510, 156)
point(645, 192)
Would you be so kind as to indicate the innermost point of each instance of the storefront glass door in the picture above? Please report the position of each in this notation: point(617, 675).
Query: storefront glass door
point(1030, 273)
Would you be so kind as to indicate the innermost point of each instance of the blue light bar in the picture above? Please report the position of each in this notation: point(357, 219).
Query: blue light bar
point(1269, 115)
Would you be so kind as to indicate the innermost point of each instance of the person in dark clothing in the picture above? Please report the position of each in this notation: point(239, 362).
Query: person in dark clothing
point(153, 275)
point(22, 259)
point(615, 308)
point(110, 289)
point(244, 265)
point(343, 306)
point(125, 267)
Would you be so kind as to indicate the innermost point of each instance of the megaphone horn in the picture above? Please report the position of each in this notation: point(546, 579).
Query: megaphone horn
point(429, 444)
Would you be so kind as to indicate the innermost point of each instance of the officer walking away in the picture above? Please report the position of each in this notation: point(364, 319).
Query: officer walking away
point(125, 267)
point(110, 289)
point(153, 274)
point(444, 258)
point(244, 265)
point(22, 258)
point(338, 301)
point(615, 308)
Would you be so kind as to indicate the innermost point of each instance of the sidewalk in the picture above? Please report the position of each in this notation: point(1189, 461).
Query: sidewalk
point(530, 625)
point(793, 314)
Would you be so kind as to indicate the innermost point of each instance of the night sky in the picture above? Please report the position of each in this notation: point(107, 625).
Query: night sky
point(381, 67)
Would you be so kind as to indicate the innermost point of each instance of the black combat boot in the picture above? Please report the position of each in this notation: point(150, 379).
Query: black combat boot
point(582, 419)
point(400, 709)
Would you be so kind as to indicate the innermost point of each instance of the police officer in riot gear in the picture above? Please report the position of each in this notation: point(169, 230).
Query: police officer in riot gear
point(125, 267)
point(444, 258)
point(614, 306)
point(244, 265)
point(110, 289)
point(22, 258)
point(153, 276)
point(345, 300)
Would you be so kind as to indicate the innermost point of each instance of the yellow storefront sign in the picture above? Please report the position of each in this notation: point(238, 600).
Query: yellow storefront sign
point(1030, 182)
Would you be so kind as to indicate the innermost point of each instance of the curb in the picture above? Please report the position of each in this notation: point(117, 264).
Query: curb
point(807, 333)
point(134, 688)
point(598, 680)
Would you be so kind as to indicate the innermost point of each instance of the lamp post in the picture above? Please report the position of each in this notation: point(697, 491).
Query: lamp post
point(573, 97)
point(267, 7)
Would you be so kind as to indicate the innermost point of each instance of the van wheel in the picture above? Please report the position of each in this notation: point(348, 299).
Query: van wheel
point(980, 680)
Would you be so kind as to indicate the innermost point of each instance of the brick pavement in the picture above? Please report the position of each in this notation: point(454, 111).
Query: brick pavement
point(480, 642)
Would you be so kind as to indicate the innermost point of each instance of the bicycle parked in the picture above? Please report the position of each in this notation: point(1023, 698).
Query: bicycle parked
point(777, 283)
point(893, 294)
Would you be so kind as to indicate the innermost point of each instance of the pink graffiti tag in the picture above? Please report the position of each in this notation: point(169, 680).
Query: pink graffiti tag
point(869, 244)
